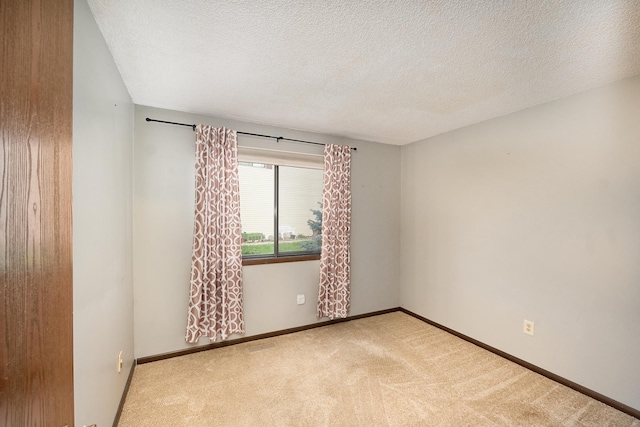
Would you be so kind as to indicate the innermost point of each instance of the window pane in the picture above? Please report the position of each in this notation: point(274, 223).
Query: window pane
point(300, 212)
point(256, 208)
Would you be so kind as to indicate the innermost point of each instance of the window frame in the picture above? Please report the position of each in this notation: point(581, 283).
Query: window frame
point(277, 256)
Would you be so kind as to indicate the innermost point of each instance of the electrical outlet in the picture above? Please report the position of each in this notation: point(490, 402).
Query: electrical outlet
point(120, 361)
point(300, 299)
point(528, 327)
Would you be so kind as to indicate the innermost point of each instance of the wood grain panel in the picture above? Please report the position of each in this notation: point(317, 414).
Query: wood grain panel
point(36, 344)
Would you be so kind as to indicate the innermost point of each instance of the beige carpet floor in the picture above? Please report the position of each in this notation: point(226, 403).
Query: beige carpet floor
point(388, 370)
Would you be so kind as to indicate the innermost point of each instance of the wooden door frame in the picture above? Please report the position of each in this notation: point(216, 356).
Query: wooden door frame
point(36, 93)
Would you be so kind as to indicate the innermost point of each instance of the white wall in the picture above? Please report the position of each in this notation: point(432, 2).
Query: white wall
point(163, 225)
point(534, 215)
point(102, 225)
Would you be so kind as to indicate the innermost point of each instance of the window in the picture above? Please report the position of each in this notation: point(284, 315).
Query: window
point(280, 210)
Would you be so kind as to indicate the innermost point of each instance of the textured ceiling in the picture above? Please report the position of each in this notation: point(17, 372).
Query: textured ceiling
point(392, 71)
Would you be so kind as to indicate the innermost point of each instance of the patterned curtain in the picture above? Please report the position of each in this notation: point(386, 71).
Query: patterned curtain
point(215, 300)
point(335, 270)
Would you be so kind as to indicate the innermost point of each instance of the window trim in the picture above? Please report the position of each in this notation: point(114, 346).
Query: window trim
point(280, 158)
point(275, 260)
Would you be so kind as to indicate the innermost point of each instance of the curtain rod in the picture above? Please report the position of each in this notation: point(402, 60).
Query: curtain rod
point(277, 138)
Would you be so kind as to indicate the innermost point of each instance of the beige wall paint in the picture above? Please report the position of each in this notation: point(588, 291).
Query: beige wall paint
point(163, 225)
point(102, 225)
point(534, 215)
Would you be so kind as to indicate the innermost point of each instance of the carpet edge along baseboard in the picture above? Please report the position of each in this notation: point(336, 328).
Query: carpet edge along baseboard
point(184, 352)
point(538, 370)
point(554, 377)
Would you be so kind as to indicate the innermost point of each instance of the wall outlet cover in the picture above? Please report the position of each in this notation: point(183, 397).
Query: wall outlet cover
point(528, 327)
